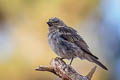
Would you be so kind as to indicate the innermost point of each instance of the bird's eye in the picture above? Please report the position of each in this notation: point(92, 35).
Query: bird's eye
point(56, 21)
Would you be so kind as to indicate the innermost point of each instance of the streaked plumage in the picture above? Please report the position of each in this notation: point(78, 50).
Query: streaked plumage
point(67, 43)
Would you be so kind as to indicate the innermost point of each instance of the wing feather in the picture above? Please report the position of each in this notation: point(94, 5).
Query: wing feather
point(69, 34)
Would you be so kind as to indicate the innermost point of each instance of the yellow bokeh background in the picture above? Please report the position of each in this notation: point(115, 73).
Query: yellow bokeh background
point(26, 20)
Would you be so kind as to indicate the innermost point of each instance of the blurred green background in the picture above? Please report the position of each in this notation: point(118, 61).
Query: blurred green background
point(23, 36)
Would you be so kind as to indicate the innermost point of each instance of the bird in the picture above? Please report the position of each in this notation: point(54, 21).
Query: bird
point(68, 44)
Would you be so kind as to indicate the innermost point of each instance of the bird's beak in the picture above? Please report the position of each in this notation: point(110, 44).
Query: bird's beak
point(49, 23)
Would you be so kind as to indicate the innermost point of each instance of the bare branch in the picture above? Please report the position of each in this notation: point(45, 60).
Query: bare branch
point(64, 71)
point(90, 74)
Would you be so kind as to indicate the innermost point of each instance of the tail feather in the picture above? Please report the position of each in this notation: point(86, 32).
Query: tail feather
point(93, 59)
point(94, 56)
point(99, 63)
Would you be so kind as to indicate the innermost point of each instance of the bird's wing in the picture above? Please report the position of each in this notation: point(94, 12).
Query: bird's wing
point(69, 34)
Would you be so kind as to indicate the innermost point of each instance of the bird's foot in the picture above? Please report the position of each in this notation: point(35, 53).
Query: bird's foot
point(62, 58)
point(59, 58)
point(71, 61)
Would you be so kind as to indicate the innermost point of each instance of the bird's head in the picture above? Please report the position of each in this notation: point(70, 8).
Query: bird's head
point(55, 22)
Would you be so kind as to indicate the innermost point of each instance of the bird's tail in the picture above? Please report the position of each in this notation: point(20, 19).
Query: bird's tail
point(92, 59)
point(99, 63)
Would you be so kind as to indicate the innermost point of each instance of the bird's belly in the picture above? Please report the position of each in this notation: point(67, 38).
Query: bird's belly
point(63, 48)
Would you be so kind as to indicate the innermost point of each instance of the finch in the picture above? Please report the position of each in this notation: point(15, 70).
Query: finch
point(67, 43)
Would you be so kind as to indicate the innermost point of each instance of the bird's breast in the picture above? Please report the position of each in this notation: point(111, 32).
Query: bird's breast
point(52, 41)
point(61, 47)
